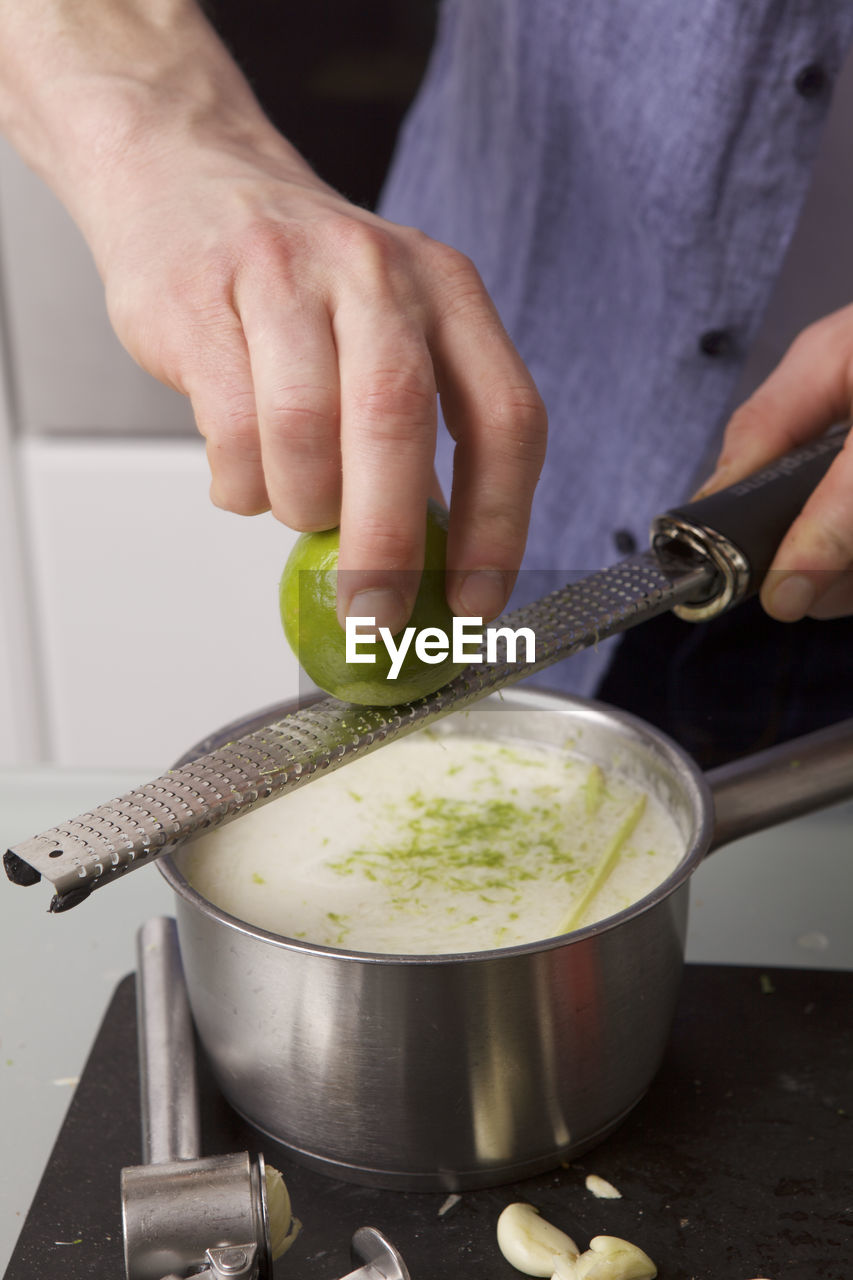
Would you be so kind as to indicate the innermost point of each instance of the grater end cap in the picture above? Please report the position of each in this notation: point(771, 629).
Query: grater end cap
point(18, 871)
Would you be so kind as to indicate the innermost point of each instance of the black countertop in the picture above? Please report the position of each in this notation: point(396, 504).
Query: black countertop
point(736, 1165)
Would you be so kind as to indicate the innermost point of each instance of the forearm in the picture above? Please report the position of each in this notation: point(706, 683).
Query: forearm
point(310, 336)
point(87, 84)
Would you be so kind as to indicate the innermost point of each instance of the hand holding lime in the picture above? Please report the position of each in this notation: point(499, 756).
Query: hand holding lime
point(308, 595)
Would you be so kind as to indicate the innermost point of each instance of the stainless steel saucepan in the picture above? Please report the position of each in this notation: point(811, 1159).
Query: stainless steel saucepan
point(463, 1071)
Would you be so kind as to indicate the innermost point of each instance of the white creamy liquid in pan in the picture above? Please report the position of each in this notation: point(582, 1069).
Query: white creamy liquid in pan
point(440, 843)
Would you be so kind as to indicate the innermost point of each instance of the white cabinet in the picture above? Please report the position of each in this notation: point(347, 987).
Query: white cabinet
point(134, 616)
point(156, 615)
point(70, 374)
point(21, 735)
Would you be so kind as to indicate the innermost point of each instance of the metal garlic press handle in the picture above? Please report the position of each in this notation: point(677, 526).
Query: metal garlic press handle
point(739, 529)
point(221, 1190)
point(168, 1090)
point(183, 1214)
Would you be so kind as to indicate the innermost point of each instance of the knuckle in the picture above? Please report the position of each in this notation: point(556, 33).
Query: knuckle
point(835, 331)
point(205, 293)
point(812, 335)
point(452, 264)
point(501, 527)
point(826, 344)
point(233, 429)
point(265, 248)
point(748, 419)
point(505, 526)
point(463, 294)
point(391, 262)
point(238, 501)
point(518, 425)
point(382, 546)
point(314, 518)
point(303, 418)
point(757, 430)
point(821, 537)
point(307, 496)
point(172, 332)
point(396, 403)
point(833, 545)
point(373, 250)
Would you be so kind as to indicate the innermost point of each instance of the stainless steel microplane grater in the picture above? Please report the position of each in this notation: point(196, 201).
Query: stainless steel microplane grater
point(705, 557)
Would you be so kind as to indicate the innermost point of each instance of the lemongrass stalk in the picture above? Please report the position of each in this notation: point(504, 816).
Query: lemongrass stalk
point(606, 866)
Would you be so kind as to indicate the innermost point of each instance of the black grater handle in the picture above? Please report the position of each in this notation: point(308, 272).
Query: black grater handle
point(741, 527)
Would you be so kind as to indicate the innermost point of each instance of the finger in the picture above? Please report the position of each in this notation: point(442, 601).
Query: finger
point(388, 425)
point(220, 389)
point(811, 571)
point(295, 373)
point(808, 391)
point(497, 418)
point(835, 601)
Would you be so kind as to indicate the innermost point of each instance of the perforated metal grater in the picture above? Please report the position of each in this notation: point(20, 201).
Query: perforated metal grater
point(705, 557)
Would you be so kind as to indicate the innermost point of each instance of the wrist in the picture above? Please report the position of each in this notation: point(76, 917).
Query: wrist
point(104, 104)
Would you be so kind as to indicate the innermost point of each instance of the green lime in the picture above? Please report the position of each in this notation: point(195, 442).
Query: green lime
point(307, 598)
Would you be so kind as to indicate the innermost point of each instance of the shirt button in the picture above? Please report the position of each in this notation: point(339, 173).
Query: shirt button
point(810, 81)
point(624, 541)
point(716, 342)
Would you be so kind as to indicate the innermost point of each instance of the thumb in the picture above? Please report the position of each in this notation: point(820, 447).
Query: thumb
point(809, 391)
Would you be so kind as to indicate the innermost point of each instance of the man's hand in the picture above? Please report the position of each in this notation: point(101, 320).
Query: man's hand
point(312, 339)
point(810, 390)
point(311, 336)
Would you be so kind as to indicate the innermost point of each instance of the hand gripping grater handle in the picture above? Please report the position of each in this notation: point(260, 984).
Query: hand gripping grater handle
point(741, 527)
point(695, 568)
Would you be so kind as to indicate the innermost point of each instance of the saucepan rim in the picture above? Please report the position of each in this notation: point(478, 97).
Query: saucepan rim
point(698, 798)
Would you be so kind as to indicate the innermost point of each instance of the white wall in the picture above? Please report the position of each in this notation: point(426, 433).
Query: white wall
point(70, 373)
point(21, 720)
point(156, 613)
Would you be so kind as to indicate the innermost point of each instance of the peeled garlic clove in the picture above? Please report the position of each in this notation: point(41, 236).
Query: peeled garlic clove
point(284, 1228)
point(530, 1243)
point(565, 1269)
point(601, 1188)
point(609, 1258)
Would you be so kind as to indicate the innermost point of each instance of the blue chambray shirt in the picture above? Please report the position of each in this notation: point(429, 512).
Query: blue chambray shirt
point(626, 175)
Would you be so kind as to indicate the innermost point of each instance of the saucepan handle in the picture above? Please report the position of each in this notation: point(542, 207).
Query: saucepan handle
point(783, 782)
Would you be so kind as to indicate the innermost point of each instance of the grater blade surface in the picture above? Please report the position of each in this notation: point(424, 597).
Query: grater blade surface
point(141, 825)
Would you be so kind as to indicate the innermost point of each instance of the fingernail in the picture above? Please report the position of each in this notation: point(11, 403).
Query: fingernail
point(384, 604)
point(836, 600)
point(482, 593)
point(792, 598)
